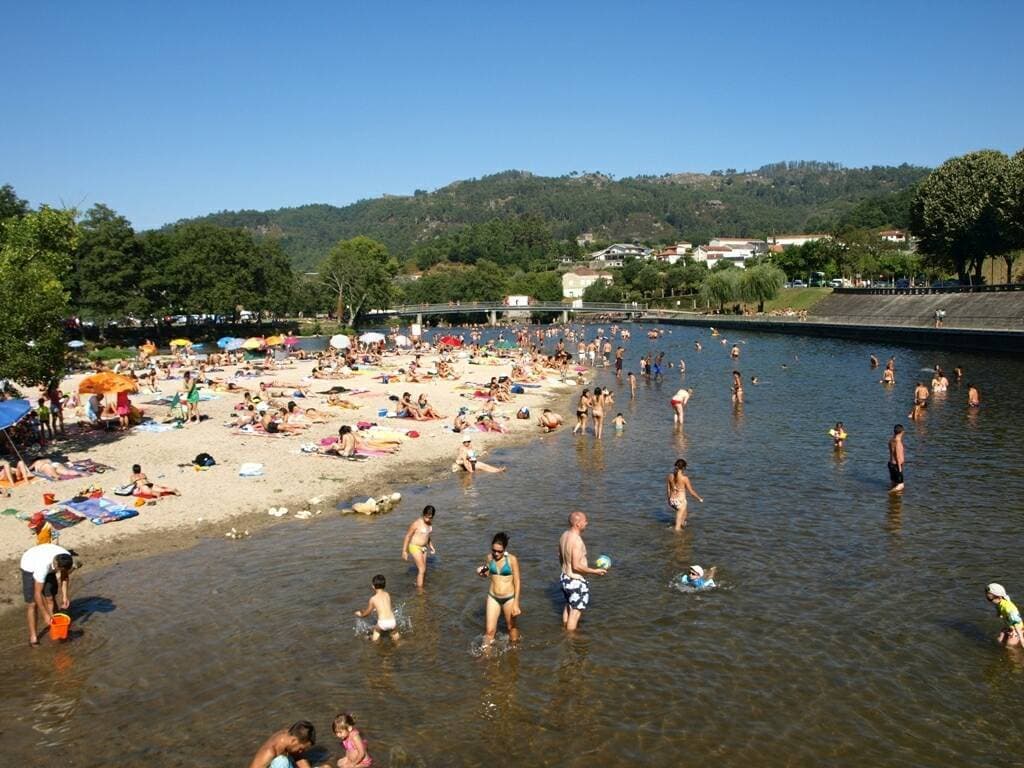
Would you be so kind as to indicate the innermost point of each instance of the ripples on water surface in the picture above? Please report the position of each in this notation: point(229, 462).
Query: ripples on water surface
point(849, 627)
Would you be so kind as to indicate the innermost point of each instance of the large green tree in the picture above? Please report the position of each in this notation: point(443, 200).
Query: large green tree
point(360, 273)
point(721, 286)
point(761, 283)
point(108, 268)
point(954, 213)
point(35, 255)
point(10, 204)
point(1010, 211)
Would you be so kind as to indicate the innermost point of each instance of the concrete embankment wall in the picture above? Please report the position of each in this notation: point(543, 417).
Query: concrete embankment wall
point(989, 311)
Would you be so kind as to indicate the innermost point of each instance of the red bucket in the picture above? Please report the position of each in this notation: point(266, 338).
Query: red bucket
point(59, 626)
point(49, 499)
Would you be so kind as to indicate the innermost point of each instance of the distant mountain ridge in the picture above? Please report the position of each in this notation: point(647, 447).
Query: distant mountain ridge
point(777, 198)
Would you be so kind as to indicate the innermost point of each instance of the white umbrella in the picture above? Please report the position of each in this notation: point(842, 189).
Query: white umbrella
point(372, 337)
point(340, 341)
point(402, 341)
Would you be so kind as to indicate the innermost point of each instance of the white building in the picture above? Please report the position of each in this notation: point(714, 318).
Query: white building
point(574, 283)
point(787, 241)
point(737, 250)
point(893, 235)
point(621, 251)
point(673, 253)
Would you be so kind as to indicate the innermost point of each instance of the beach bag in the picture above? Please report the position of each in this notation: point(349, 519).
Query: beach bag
point(204, 460)
point(524, 413)
point(517, 389)
point(125, 490)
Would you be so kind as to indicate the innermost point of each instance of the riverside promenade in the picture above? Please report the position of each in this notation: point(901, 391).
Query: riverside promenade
point(981, 318)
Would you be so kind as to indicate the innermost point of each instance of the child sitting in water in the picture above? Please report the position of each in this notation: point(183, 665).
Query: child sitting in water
point(356, 755)
point(695, 578)
point(381, 603)
point(619, 422)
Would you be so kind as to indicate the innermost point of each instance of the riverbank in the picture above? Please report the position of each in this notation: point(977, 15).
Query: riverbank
point(215, 500)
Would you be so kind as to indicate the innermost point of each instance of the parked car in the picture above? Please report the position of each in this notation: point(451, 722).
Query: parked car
point(797, 284)
point(946, 284)
point(903, 283)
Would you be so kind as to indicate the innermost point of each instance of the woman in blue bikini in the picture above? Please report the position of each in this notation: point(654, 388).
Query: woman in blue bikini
point(502, 568)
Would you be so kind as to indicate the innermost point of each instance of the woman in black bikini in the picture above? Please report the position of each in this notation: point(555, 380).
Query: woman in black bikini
point(502, 570)
point(581, 413)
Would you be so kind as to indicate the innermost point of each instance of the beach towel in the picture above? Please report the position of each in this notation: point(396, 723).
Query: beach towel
point(248, 432)
point(63, 518)
point(250, 470)
point(89, 467)
point(7, 484)
point(154, 426)
point(100, 511)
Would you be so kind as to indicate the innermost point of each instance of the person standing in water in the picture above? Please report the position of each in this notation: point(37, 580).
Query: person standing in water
point(921, 394)
point(678, 404)
point(597, 412)
point(1013, 628)
point(973, 396)
point(896, 459)
point(734, 353)
point(418, 541)
point(677, 485)
point(502, 568)
point(582, 409)
point(737, 388)
point(619, 353)
point(632, 385)
point(572, 555)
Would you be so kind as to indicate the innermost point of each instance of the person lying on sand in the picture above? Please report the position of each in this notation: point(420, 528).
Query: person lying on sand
point(143, 486)
point(54, 470)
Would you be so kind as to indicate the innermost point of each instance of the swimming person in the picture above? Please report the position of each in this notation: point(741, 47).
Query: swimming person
point(678, 405)
point(572, 555)
point(896, 458)
point(380, 601)
point(418, 541)
point(734, 352)
point(973, 396)
point(1012, 633)
point(356, 755)
point(677, 485)
point(838, 433)
point(619, 422)
point(695, 578)
point(502, 568)
point(279, 750)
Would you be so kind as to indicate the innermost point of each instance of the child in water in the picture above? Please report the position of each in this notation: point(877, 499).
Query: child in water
point(619, 422)
point(1013, 627)
point(381, 603)
point(356, 755)
point(838, 433)
point(695, 578)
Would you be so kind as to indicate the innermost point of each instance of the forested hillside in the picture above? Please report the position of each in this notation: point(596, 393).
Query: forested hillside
point(778, 198)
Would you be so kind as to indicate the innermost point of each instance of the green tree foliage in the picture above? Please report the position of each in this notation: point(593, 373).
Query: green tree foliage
point(955, 213)
point(648, 280)
point(1010, 210)
point(484, 281)
point(10, 204)
point(721, 286)
point(360, 272)
point(761, 283)
point(108, 268)
point(35, 255)
point(603, 292)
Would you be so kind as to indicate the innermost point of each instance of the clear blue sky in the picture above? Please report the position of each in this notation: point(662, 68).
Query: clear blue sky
point(165, 110)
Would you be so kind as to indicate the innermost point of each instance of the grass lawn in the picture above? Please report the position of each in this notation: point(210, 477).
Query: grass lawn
point(796, 298)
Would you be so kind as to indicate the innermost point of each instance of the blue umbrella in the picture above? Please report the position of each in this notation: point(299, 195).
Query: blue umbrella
point(224, 342)
point(234, 344)
point(198, 346)
point(13, 411)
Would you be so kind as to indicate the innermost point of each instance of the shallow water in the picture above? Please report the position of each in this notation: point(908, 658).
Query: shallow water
point(849, 627)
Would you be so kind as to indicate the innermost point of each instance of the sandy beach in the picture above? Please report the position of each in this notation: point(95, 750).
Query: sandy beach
point(215, 500)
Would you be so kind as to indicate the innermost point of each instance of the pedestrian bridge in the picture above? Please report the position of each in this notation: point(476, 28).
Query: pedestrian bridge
point(493, 308)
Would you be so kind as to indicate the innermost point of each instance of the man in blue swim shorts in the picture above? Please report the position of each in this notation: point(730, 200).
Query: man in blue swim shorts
point(572, 554)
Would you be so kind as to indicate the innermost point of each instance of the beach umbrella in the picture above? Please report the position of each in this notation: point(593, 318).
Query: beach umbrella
point(450, 341)
point(371, 338)
point(223, 342)
point(149, 349)
point(180, 342)
point(506, 344)
point(252, 342)
point(106, 382)
point(340, 341)
point(11, 412)
point(198, 346)
point(291, 341)
point(403, 341)
point(234, 344)
point(76, 344)
point(275, 341)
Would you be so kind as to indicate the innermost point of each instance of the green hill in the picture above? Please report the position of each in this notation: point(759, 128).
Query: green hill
point(778, 198)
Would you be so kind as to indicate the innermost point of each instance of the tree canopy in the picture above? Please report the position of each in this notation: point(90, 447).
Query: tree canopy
point(360, 272)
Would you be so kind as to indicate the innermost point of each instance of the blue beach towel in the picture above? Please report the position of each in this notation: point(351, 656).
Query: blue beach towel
point(100, 511)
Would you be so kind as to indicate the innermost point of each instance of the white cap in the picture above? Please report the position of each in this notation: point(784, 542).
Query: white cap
point(996, 589)
point(698, 570)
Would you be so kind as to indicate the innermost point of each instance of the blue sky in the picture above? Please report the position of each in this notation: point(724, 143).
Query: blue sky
point(168, 110)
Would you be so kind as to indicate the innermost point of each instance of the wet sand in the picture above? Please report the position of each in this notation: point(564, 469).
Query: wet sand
point(215, 500)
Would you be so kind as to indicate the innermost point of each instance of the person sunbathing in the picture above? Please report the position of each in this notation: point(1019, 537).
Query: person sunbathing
point(408, 410)
point(340, 402)
point(461, 420)
point(53, 470)
point(16, 474)
point(426, 409)
point(346, 445)
point(315, 416)
point(143, 486)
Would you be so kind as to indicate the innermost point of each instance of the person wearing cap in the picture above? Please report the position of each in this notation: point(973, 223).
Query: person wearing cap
point(461, 420)
point(1013, 629)
point(45, 581)
point(42, 528)
point(468, 460)
point(695, 578)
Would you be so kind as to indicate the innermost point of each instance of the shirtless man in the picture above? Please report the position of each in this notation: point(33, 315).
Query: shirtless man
point(572, 555)
point(921, 394)
point(896, 458)
point(973, 396)
point(677, 485)
point(619, 353)
point(291, 743)
point(678, 403)
point(549, 421)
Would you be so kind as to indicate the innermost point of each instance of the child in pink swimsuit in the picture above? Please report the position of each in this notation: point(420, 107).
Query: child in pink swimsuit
point(356, 755)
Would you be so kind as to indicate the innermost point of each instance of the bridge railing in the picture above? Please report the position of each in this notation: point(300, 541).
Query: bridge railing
point(500, 306)
point(926, 289)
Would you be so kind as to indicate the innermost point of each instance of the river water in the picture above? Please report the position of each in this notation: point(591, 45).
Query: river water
point(849, 627)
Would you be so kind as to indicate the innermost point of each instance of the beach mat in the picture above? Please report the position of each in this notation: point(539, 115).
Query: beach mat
point(89, 467)
point(6, 484)
point(63, 518)
point(100, 511)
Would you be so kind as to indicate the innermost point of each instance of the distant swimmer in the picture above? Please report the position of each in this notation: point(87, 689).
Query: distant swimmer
point(697, 345)
point(572, 555)
point(677, 485)
point(632, 385)
point(958, 372)
point(888, 376)
point(754, 380)
point(682, 366)
point(896, 459)
point(1012, 633)
point(696, 579)
point(939, 381)
point(874, 361)
point(418, 540)
point(921, 395)
point(380, 603)
point(619, 422)
point(678, 404)
point(838, 435)
point(973, 396)
point(734, 352)
point(502, 569)
point(287, 748)
point(737, 388)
